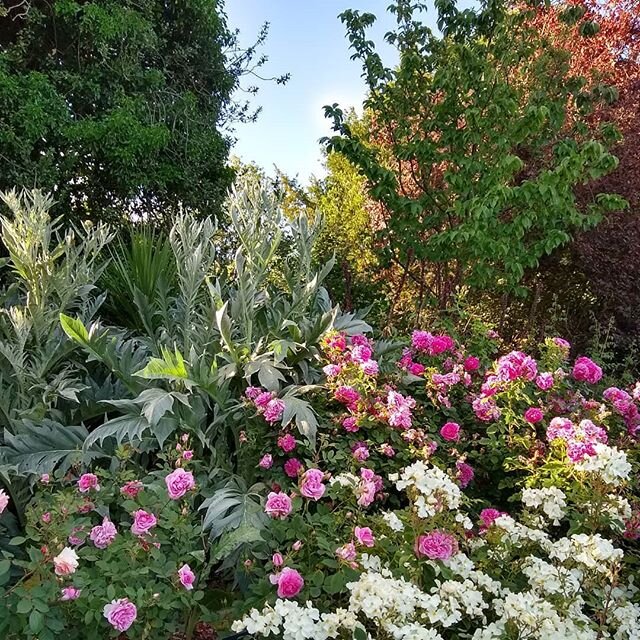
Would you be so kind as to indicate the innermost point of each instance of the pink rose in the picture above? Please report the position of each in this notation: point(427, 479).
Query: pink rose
point(544, 381)
point(436, 545)
point(253, 392)
point(45, 478)
point(287, 443)
point(364, 536)
point(263, 399)
point(88, 481)
point(293, 467)
point(278, 505)
point(187, 455)
point(290, 583)
point(361, 353)
point(143, 522)
point(132, 488)
point(360, 451)
point(274, 410)
point(70, 593)
point(179, 482)
point(266, 462)
point(4, 500)
point(450, 431)
point(347, 552)
point(416, 369)
point(311, 484)
point(332, 370)
point(370, 368)
point(586, 370)
point(46, 517)
point(120, 614)
point(489, 516)
point(533, 415)
point(350, 424)
point(186, 576)
point(387, 450)
point(66, 562)
point(104, 534)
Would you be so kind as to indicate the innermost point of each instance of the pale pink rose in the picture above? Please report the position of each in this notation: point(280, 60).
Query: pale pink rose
point(370, 368)
point(277, 559)
point(311, 484)
point(266, 462)
point(387, 450)
point(104, 534)
point(46, 517)
point(450, 431)
point(45, 478)
point(278, 505)
point(121, 614)
point(436, 545)
point(186, 576)
point(131, 488)
point(66, 562)
point(290, 583)
point(347, 552)
point(143, 522)
point(70, 593)
point(88, 481)
point(364, 536)
point(187, 455)
point(179, 482)
point(331, 370)
point(297, 545)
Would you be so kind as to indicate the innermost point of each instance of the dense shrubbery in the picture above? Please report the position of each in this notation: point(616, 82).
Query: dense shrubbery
point(196, 440)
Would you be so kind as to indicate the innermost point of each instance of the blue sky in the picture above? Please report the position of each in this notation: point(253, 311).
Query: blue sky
point(307, 40)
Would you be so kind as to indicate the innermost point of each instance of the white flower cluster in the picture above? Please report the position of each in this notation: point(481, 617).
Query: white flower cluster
point(295, 622)
point(546, 578)
point(392, 520)
point(436, 490)
point(626, 619)
point(551, 500)
point(517, 534)
point(535, 619)
point(593, 552)
point(609, 463)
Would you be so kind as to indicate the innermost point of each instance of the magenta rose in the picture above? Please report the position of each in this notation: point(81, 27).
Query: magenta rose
point(586, 370)
point(143, 522)
point(179, 482)
point(278, 505)
point(350, 424)
point(88, 481)
point(120, 614)
point(436, 545)
point(290, 583)
point(266, 462)
point(533, 415)
point(293, 467)
point(274, 410)
point(471, 363)
point(544, 381)
point(311, 485)
point(489, 516)
point(450, 431)
point(465, 473)
point(287, 443)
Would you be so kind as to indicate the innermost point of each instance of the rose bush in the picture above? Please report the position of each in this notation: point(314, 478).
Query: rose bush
point(111, 552)
point(451, 496)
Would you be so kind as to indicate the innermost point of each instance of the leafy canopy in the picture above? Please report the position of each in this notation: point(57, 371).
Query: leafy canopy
point(475, 147)
point(115, 105)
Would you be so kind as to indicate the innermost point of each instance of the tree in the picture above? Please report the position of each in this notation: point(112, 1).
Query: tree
point(472, 151)
point(118, 106)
